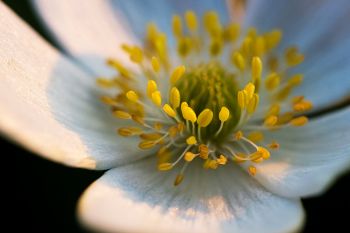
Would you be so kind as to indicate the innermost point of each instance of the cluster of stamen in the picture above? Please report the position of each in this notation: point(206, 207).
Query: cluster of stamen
point(206, 108)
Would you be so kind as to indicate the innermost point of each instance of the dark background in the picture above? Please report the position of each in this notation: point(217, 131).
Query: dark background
point(41, 196)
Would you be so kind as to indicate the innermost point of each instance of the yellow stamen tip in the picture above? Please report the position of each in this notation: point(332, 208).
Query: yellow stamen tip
point(132, 96)
point(238, 60)
point(271, 121)
point(256, 68)
point(191, 21)
point(189, 156)
point(155, 64)
point(238, 135)
point(177, 74)
point(191, 140)
point(189, 114)
point(157, 98)
point(252, 170)
point(224, 114)
point(121, 115)
point(175, 97)
point(169, 110)
point(299, 121)
point(179, 179)
point(151, 87)
point(205, 118)
point(203, 151)
point(222, 160)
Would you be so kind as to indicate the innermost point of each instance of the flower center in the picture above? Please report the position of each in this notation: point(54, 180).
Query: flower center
point(214, 102)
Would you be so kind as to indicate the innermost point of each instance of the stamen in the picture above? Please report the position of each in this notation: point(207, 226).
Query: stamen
point(203, 107)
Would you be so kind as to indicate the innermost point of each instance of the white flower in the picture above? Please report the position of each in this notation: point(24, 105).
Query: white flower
point(50, 104)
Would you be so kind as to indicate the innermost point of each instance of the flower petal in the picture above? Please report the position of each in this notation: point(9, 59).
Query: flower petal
point(50, 106)
point(138, 198)
point(87, 30)
point(319, 28)
point(310, 158)
point(139, 13)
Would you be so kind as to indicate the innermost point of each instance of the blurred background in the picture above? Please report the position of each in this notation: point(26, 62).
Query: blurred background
point(41, 196)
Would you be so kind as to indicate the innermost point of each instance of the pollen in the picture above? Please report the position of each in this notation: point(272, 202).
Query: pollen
point(215, 100)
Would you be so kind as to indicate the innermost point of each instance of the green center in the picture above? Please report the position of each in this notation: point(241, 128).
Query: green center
point(211, 86)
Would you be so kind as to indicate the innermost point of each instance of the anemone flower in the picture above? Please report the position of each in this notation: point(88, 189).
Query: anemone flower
point(204, 124)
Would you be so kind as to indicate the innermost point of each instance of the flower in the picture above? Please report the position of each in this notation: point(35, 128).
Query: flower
point(58, 116)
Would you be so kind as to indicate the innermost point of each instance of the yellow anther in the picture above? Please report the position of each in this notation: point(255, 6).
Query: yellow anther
point(299, 121)
point(256, 136)
point(151, 136)
point(138, 119)
point(256, 69)
point(253, 104)
point(105, 83)
point(177, 25)
point(271, 120)
point(152, 32)
point(165, 166)
point(274, 145)
point(259, 46)
point(164, 155)
point(144, 145)
point(151, 87)
point(129, 131)
point(191, 140)
point(250, 90)
point(285, 117)
point(274, 110)
point(222, 160)
point(224, 114)
point(252, 170)
point(238, 135)
point(189, 114)
point(238, 60)
point(272, 81)
point(212, 23)
point(116, 65)
point(184, 46)
point(169, 110)
point(246, 47)
point(272, 39)
point(155, 64)
point(302, 106)
point(178, 180)
point(203, 151)
point(296, 80)
point(293, 57)
point(265, 154)
point(108, 100)
point(231, 32)
point(256, 156)
point(132, 96)
point(175, 97)
point(157, 98)
point(215, 47)
point(191, 21)
point(241, 99)
point(136, 54)
point(177, 74)
point(210, 164)
point(205, 118)
point(189, 156)
point(121, 114)
point(183, 106)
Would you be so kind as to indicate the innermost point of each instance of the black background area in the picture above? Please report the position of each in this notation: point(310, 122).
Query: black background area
point(41, 196)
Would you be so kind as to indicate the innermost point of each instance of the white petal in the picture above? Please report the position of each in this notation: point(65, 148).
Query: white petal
point(50, 106)
point(139, 13)
point(88, 30)
point(310, 158)
point(319, 28)
point(137, 198)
